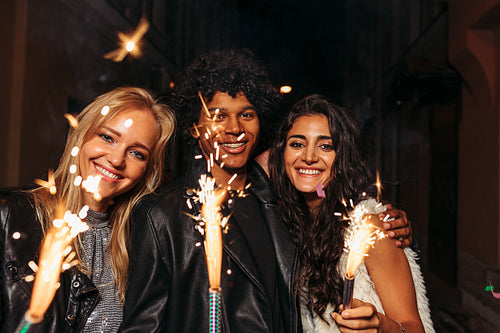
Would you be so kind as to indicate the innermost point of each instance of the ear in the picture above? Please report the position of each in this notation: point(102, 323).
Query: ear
point(195, 133)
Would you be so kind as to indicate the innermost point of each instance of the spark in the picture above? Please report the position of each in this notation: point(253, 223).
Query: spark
point(197, 157)
point(285, 89)
point(105, 110)
point(49, 184)
point(75, 151)
point(72, 168)
point(71, 120)
point(129, 44)
point(128, 123)
point(204, 105)
point(242, 135)
point(378, 184)
point(16, 235)
point(232, 178)
point(91, 185)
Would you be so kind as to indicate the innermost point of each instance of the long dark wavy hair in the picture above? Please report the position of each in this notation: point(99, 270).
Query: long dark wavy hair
point(319, 235)
point(230, 71)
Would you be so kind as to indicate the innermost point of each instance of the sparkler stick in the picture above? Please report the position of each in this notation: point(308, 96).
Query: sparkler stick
point(55, 249)
point(362, 235)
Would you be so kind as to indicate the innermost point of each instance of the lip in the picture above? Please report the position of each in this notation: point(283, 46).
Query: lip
point(107, 174)
point(309, 172)
point(235, 147)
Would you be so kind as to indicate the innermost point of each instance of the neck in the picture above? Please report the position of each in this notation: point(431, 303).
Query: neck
point(98, 206)
point(312, 201)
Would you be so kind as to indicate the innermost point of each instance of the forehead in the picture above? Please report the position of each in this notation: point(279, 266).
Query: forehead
point(310, 125)
point(225, 102)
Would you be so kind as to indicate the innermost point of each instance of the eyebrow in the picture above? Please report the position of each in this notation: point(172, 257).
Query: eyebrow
point(245, 108)
point(300, 136)
point(136, 144)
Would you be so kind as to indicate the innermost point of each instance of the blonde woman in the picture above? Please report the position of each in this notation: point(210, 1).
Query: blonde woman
point(120, 139)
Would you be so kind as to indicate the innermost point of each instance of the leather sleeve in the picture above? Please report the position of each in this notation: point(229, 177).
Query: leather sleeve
point(148, 286)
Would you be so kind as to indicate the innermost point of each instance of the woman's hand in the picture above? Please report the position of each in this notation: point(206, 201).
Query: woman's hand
point(362, 317)
point(399, 228)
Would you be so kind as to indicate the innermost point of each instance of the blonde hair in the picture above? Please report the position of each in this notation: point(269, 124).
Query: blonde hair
point(89, 121)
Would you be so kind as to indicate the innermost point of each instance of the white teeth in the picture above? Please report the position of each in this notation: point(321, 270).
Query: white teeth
point(233, 145)
point(107, 173)
point(310, 171)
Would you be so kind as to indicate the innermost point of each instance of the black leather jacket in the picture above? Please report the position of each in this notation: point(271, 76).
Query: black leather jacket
point(74, 300)
point(168, 281)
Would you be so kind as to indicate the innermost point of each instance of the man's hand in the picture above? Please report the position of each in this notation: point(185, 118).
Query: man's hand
point(397, 225)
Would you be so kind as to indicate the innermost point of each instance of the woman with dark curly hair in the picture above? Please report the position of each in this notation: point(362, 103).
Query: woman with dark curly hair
point(316, 148)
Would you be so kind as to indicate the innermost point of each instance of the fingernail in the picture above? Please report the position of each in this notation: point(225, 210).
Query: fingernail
point(346, 314)
point(387, 225)
point(391, 234)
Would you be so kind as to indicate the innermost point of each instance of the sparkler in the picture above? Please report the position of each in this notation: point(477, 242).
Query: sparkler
point(129, 43)
point(55, 255)
point(361, 237)
point(211, 199)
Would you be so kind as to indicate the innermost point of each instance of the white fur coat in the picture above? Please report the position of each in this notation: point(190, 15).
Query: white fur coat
point(364, 290)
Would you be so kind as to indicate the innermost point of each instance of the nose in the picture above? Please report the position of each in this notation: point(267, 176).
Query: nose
point(309, 155)
point(233, 126)
point(117, 158)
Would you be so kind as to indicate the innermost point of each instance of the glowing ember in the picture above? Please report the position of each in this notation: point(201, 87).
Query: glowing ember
point(128, 123)
point(129, 44)
point(49, 184)
point(285, 89)
point(105, 110)
point(91, 185)
point(71, 120)
point(74, 151)
point(378, 184)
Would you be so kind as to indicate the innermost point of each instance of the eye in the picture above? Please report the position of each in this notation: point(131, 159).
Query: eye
point(326, 146)
point(137, 154)
point(247, 115)
point(296, 144)
point(106, 137)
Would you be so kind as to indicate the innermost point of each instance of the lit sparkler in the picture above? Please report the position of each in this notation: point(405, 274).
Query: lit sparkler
point(56, 254)
point(129, 44)
point(361, 237)
point(213, 220)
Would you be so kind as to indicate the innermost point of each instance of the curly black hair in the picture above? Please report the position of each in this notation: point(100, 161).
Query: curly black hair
point(319, 235)
point(230, 71)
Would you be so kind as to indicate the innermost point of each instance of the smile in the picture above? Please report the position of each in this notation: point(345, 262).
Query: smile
point(309, 171)
point(107, 173)
point(233, 145)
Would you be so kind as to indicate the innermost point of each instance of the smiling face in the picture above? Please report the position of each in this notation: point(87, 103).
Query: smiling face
point(233, 126)
point(118, 152)
point(309, 153)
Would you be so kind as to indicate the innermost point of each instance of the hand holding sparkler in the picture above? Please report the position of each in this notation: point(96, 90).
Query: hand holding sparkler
point(55, 255)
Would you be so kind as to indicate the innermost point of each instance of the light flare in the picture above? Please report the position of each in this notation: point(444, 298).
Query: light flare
point(129, 44)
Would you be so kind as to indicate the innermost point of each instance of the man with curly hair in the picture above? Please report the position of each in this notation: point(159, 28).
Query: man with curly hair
point(259, 259)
